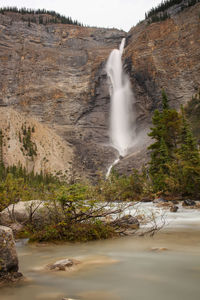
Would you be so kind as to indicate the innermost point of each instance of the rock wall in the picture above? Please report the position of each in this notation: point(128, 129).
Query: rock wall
point(164, 55)
point(161, 55)
point(52, 74)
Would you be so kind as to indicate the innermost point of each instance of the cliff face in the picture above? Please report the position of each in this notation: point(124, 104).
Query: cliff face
point(166, 55)
point(53, 76)
point(162, 55)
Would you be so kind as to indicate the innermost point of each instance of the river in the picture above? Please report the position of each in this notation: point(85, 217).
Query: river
point(163, 267)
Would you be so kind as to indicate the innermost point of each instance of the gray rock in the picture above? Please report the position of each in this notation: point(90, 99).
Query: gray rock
point(189, 202)
point(63, 265)
point(127, 222)
point(16, 228)
point(19, 213)
point(174, 208)
point(175, 201)
point(159, 200)
point(146, 199)
point(8, 256)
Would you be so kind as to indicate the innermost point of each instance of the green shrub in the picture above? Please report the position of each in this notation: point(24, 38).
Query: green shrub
point(81, 232)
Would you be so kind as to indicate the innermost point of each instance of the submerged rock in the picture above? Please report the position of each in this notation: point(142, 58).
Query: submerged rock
point(8, 257)
point(68, 299)
point(63, 265)
point(159, 249)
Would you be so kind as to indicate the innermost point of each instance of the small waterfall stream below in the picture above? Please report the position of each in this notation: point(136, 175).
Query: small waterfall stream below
point(122, 127)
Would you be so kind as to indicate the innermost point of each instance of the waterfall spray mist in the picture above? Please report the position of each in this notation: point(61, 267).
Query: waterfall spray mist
point(122, 129)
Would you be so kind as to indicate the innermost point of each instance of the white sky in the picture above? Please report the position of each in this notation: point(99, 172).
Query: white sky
point(122, 14)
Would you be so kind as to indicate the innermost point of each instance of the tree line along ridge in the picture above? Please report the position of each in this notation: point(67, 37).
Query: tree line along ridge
point(159, 13)
point(40, 16)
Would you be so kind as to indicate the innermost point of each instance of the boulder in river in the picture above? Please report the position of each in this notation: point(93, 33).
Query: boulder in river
point(63, 265)
point(189, 202)
point(159, 200)
point(197, 204)
point(146, 200)
point(21, 212)
point(127, 222)
point(173, 208)
point(17, 215)
point(164, 204)
point(175, 201)
point(8, 257)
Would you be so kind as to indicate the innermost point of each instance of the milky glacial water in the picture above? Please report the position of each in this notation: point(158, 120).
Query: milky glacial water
point(139, 268)
point(139, 273)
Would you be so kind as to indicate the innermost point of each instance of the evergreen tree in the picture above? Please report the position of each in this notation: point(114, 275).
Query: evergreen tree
point(188, 149)
point(189, 160)
point(165, 102)
point(165, 134)
point(175, 160)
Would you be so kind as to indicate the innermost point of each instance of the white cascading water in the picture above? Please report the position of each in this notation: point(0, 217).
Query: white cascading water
point(122, 129)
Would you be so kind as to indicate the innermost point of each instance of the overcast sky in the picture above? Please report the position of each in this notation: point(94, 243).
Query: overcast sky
point(122, 14)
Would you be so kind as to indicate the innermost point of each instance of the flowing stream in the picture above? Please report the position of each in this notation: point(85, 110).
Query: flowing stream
point(165, 267)
point(122, 129)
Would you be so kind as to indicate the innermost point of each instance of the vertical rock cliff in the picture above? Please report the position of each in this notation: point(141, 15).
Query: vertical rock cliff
point(162, 55)
point(53, 76)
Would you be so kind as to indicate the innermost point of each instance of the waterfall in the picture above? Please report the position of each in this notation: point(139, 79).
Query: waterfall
point(122, 129)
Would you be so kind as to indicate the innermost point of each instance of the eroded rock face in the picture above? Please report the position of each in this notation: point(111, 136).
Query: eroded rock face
point(164, 55)
point(55, 74)
point(161, 55)
point(8, 256)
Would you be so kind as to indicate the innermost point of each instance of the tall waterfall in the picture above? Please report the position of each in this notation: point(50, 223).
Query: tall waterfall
point(121, 117)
